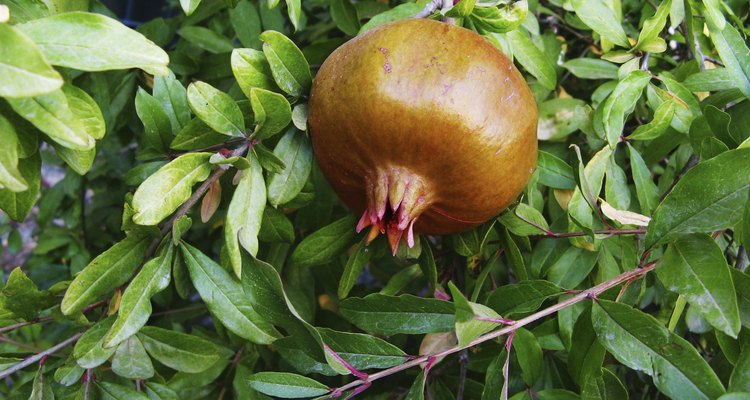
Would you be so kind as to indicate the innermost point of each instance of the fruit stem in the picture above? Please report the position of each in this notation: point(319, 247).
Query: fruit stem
point(396, 197)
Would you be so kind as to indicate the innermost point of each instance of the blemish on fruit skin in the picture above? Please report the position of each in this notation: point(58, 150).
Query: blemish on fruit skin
point(447, 88)
point(387, 65)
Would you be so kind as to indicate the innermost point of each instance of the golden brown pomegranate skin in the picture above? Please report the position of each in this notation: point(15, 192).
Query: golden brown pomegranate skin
point(424, 121)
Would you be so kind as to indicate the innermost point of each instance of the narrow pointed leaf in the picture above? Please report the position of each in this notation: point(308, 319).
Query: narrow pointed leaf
point(245, 215)
point(131, 361)
point(406, 314)
point(105, 273)
point(225, 298)
point(295, 151)
point(287, 385)
point(179, 351)
point(135, 305)
point(216, 109)
point(288, 65)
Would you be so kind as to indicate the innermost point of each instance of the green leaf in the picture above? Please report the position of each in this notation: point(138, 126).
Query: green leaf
point(295, 151)
point(135, 305)
point(179, 351)
point(572, 268)
point(733, 51)
point(739, 381)
point(591, 68)
point(468, 317)
point(157, 129)
point(646, 190)
point(225, 298)
point(586, 354)
point(388, 315)
point(502, 19)
point(131, 361)
point(251, 70)
point(245, 214)
point(110, 390)
point(173, 98)
point(22, 298)
point(104, 273)
point(598, 16)
point(11, 178)
point(41, 390)
point(69, 373)
point(344, 15)
point(196, 135)
point(52, 114)
point(88, 351)
point(23, 70)
point(246, 23)
point(275, 227)
point(519, 299)
point(529, 354)
point(643, 344)
point(694, 266)
point(516, 220)
point(353, 268)
point(710, 80)
point(156, 391)
point(416, 391)
point(709, 197)
point(554, 172)
point(94, 42)
point(189, 6)
point(662, 119)
point(206, 39)
point(161, 193)
point(286, 385)
point(621, 103)
point(401, 11)
point(532, 59)
point(603, 386)
point(325, 244)
point(294, 10)
point(272, 112)
point(363, 351)
point(288, 65)
point(649, 38)
point(216, 109)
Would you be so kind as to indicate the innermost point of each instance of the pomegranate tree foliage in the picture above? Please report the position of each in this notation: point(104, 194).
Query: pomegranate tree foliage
point(167, 234)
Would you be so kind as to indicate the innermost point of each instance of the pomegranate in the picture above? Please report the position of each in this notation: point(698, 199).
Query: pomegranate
point(422, 127)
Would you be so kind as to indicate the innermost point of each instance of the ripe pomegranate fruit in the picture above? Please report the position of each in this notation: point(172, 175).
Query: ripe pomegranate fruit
point(423, 127)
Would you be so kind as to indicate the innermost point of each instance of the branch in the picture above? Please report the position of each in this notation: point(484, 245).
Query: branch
point(583, 295)
point(31, 360)
point(430, 8)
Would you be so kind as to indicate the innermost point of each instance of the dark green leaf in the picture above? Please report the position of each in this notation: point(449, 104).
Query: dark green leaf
point(179, 351)
point(641, 343)
point(251, 70)
point(157, 132)
point(694, 266)
point(225, 298)
point(602, 19)
point(532, 59)
point(287, 385)
point(554, 172)
point(353, 268)
point(196, 135)
point(135, 305)
point(344, 15)
point(18, 205)
point(521, 298)
point(88, 351)
point(362, 351)
point(275, 227)
point(246, 23)
point(206, 39)
point(591, 68)
point(272, 112)
point(106, 272)
point(325, 244)
point(707, 198)
point(407, 314)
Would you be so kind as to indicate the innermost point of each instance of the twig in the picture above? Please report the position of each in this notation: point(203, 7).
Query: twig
point(428, 9)
point(235, 360)
point(583, 295)
point(31, 360)
point(87, 388)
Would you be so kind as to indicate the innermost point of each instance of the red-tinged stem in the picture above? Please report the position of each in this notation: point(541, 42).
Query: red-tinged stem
point(590, 293)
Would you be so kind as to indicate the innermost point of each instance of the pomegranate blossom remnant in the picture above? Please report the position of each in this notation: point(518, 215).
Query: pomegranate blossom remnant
point(422, 127)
